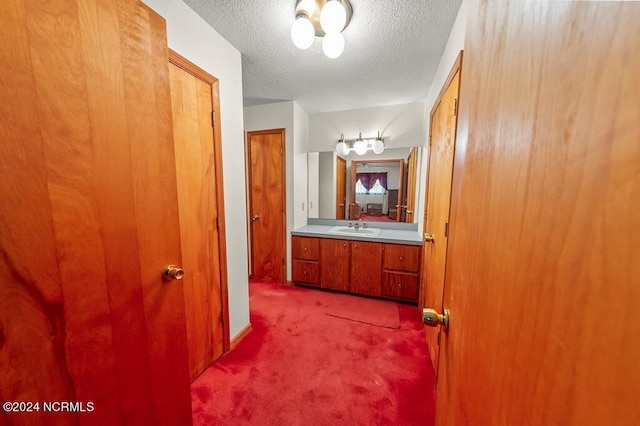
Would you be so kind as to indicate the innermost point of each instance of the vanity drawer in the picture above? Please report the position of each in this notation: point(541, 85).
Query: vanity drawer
point(400, 285)
point(400, 257)
point(305, 272)
point(306, 248)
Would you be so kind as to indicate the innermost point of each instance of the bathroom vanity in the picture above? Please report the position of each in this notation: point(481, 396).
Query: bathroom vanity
point(370, 261)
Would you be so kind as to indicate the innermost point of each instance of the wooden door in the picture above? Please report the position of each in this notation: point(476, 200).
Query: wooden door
point(267, 204)
point(366, 268)
point(443, 138)
point(200, 204)
point(401, 194)
point(89, 216)
point(543, 270)
point(412, 172)
point(334, 264)
point(341, 187)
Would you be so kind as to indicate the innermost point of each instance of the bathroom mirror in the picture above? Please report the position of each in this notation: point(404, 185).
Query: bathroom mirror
point(375, 188)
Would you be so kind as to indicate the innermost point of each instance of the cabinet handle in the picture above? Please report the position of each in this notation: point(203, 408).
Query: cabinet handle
point(399, 285)
point(304, 273)
point(355, 246)
point(305, 249)
point(401, 259)
point(344, 245)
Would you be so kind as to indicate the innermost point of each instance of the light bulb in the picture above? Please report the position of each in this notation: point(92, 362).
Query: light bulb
point(378, 146)
point(342, 149)
point(360, 147)
point(333, 45)
point(333, 17)
point(302, 32)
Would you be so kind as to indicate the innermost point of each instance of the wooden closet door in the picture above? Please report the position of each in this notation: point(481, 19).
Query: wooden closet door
point(89, 216)
point(199, 184)
point(543, 267)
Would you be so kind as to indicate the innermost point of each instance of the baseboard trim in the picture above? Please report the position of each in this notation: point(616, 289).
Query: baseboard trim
point(243, 333)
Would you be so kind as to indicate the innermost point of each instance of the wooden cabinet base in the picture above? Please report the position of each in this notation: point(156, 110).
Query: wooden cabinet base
point(363, 268)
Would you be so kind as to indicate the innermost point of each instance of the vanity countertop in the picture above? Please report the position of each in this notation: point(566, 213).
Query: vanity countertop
point(386, 235)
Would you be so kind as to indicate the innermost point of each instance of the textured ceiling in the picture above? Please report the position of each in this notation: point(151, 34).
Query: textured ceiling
point(392, 50)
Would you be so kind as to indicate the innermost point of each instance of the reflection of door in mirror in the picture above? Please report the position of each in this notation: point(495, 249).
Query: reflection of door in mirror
point(376, 190)
point(412, 173)
point(341, 181)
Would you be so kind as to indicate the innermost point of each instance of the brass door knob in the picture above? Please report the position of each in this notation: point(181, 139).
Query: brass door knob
point(432, 318)
point(255, 217)
point(429, 238)
point(173, 272)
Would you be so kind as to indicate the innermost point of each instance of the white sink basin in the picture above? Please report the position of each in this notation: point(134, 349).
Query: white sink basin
point(360, 232)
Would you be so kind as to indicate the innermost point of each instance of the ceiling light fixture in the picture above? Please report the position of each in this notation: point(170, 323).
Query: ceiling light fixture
point(360, 146)
point(321, 18)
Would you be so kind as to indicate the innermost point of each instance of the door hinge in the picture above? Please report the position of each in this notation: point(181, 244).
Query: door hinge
point(218, 222)
point(446, 229)
point(455, 107)
point(281, 151)
point(213, 118)
point(429, 140)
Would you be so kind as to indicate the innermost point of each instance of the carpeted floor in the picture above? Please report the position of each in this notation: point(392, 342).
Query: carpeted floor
point(302, 366)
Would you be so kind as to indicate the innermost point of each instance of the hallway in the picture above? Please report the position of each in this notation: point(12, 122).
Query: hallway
point(299, 365)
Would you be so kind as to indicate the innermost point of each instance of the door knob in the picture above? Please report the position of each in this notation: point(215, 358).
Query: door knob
point(432, 318)
point(173, 272)
point(429, 238)
point(255, 217)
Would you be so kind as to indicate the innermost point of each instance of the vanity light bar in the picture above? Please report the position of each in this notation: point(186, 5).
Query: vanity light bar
point(360, 146)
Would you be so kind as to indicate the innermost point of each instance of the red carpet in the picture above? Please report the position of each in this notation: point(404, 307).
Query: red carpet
point(369, 311)
point(300, 366)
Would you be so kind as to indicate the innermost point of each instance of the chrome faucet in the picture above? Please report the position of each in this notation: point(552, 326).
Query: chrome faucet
point(356, 225)
point(364, 224)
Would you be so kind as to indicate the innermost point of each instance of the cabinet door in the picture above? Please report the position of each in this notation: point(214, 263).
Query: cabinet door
point(366, 268)
point(400, 285)
point(334, 264)
point(401, 257)
point(305, 272)
point(305, 248)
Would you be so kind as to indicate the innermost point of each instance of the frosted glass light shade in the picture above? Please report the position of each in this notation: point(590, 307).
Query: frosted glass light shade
point(378, 146)
point(360, 147)
point(333, 45)
point(302, 33)
point(342, 149)
point(333, 17)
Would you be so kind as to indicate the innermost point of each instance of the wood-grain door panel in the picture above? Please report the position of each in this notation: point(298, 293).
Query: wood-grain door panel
point(305, 272)
point(267, 204)
point(366, 268)
point(341, 187)
point(87, 197)
point(305, 248)
point(334, 264)
point(438, 197)
point(197, 179)
point(544, 220)
point(402, 257)
point(400, 285)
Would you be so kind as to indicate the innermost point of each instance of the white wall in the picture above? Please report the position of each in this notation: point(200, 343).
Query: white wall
point(193, 38)
point(294, 120)
point(313, 184)
point(300, 175)
point(327, 191)
point(400, 126)
point(454, 45)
